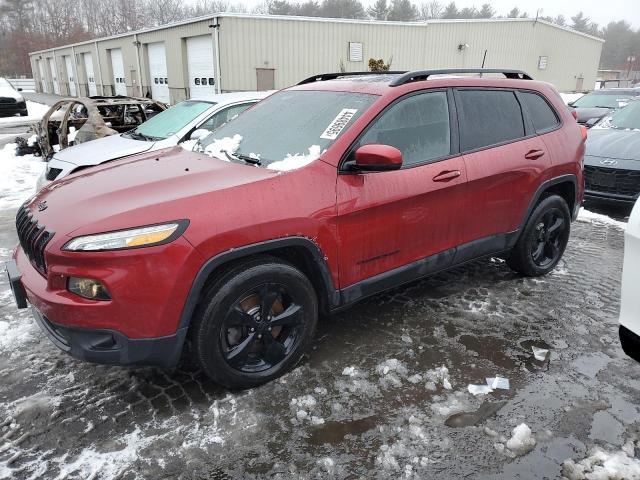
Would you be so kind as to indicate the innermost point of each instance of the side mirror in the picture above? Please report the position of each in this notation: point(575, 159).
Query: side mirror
point(199, 133)
point(377, 158)
point(19, 89)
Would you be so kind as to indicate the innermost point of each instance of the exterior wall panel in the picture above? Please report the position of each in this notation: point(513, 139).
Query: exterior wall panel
point(297, 47)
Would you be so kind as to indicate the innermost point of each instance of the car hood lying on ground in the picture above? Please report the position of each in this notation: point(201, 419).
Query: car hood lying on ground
point(102, 150)
point(615, 144)
point(140, 190)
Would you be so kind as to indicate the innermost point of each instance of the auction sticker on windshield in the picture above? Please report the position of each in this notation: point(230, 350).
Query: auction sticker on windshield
point(338, 123)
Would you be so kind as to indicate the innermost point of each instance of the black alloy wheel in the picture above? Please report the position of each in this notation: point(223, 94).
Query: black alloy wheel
point(254, 322)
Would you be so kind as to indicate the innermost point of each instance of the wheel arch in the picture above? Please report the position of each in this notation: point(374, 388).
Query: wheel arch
point(566, 186)
point(301, 252)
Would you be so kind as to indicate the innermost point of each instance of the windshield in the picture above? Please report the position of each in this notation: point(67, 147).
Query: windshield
point(287, 130)
point(627, 118)
point(592, 100)
point(172, 120)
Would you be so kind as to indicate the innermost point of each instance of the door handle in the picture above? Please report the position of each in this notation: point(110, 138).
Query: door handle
point(534, 154)
point(447, 175)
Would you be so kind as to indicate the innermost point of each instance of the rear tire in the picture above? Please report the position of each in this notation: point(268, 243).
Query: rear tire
point(544, 238)
point(234, 343)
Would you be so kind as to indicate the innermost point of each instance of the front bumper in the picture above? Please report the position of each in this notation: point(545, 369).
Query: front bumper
point(112, 348)
point(610, 197)
point(101, 345)
point(10, 109)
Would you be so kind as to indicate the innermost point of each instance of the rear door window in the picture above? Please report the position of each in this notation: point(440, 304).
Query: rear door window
point(543, 116)
point(488, 117)
point(418, 126)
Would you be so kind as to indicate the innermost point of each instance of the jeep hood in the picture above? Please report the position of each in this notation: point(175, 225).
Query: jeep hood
point(102, 150)
point(154, 187)
point(612, 143)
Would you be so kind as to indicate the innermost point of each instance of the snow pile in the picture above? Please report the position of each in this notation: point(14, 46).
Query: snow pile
point(219, 146)
point(14, 332)
point(188, 145)
point(303, 406)
point(438, 376)
point(291, 162)
point(391, 372)
point(603, 465)
point(522, 440)
point(597, 218)
point(350, 371)
point(18, 176)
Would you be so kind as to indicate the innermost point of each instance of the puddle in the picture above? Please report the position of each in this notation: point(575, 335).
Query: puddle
point(491, 348)
point(334, 432)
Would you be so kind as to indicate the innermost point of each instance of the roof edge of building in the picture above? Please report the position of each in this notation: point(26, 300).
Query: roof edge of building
point(213, 16)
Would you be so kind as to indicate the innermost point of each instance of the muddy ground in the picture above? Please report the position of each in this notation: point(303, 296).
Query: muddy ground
point(370, 400)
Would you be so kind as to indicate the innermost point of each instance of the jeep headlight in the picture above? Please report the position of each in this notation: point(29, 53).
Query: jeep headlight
point(131, 238)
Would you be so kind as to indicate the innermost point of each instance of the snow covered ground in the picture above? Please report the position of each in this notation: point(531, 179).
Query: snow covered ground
point(383, 394)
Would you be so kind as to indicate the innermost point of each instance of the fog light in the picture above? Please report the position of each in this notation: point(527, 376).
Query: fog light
point(88, 288)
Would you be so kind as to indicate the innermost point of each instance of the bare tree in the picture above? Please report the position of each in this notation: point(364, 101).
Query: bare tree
point(431, 10)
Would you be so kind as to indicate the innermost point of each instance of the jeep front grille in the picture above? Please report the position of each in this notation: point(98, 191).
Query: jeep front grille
point(33, 238)
point(612, 180)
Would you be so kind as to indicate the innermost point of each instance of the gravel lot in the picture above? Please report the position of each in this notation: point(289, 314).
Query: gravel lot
point(371, 399)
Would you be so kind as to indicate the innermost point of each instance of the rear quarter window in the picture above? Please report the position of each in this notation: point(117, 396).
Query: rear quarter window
point(544, 118)
point(488, 117)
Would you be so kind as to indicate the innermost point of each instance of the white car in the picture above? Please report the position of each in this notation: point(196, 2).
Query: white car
point(188, 120)
point(11, 102)
point(630, 303)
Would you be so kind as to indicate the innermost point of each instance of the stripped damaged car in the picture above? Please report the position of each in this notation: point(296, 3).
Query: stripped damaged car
point(73, 121)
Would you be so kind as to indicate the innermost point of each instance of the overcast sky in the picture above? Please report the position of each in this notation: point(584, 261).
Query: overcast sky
point(599, 11)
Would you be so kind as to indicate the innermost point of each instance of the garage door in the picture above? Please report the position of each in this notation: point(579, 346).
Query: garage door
point(117, 66)
point(70, 81)
point(43, 80)
point(91, 79)
point(54, 77)
point(158, 72)
point(200, 63)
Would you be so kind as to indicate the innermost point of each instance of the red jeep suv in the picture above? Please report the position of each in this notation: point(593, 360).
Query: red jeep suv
point(320, 195)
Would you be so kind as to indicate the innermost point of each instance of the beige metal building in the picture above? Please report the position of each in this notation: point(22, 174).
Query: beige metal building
point(231, 52)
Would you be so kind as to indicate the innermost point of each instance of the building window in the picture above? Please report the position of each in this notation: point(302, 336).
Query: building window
point(542, 62)
point(355, 51)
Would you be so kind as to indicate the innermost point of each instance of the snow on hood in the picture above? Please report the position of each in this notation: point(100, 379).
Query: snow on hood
point(10, 92)
point(292, 162)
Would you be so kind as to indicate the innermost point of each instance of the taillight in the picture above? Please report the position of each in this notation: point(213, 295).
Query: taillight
point(583, 133)
point(575, 114)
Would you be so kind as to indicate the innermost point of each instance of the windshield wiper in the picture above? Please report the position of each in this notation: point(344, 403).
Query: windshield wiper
point(137, 136)
point(246, 158)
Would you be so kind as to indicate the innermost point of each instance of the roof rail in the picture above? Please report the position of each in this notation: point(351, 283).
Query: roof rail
point(332, 76)
point(425, 74)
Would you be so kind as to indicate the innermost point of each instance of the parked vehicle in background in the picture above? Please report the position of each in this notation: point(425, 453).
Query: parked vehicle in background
point(11, 102)
point(78, 120)
point(630, 302)
point(191, 119)
point(590, 108)
point(612, 159)
point(320, 195)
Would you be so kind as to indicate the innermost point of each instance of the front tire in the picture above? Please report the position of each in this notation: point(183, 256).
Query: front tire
point(544, 238)
point(254, 323)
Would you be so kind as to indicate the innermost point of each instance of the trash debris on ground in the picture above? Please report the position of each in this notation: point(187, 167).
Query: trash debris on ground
point(479, 389)
point(540, 353)
point(498, 383)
